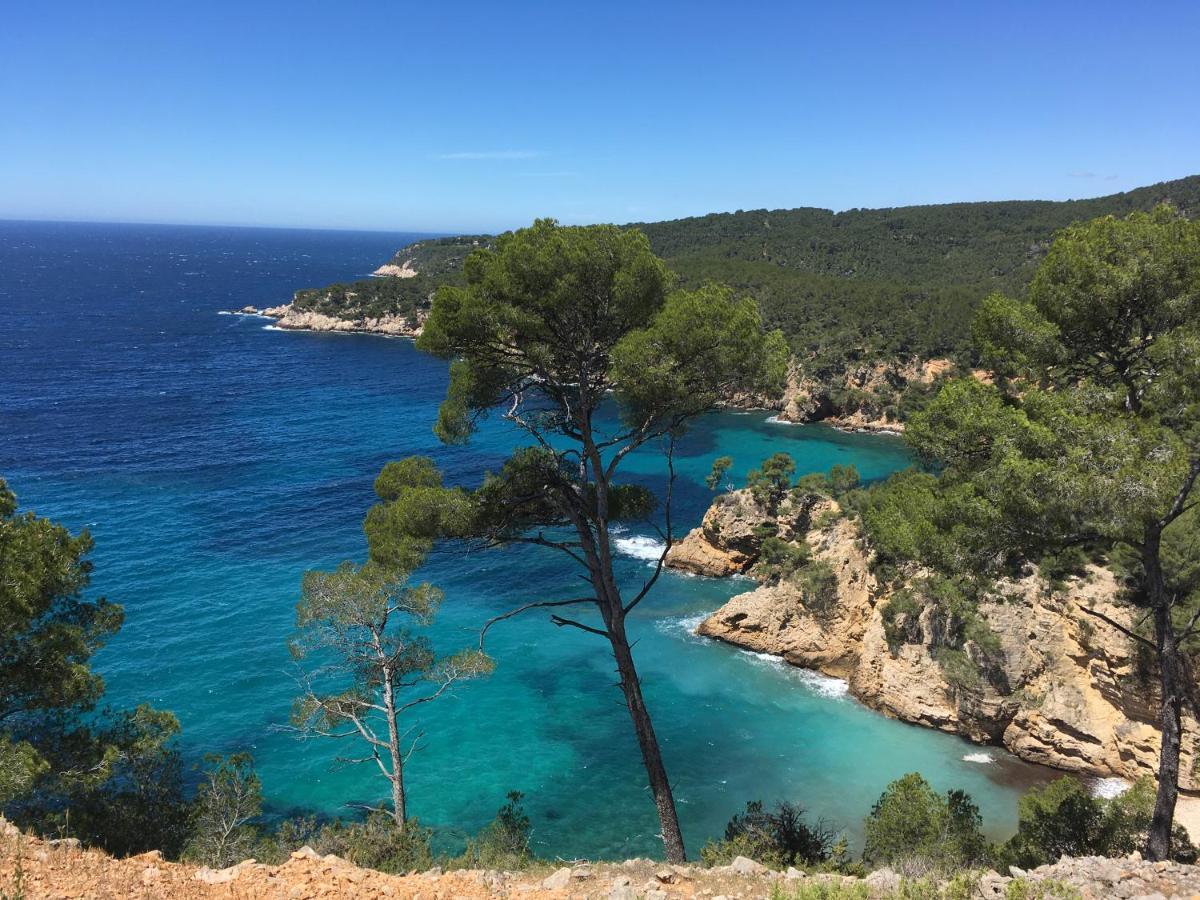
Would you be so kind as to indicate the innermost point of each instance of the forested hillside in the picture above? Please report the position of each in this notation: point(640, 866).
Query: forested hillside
point(857, 285)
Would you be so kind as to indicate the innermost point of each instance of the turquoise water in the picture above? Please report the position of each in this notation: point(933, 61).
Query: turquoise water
point(215, 460)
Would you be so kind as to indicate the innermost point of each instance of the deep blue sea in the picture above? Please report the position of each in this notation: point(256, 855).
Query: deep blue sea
point(215, 460)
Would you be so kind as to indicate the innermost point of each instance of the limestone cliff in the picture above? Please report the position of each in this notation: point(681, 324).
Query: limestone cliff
point(864, 397)
point(289, 317)
point(1063, 690)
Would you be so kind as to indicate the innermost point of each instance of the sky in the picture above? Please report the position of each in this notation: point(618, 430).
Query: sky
point(466, 117)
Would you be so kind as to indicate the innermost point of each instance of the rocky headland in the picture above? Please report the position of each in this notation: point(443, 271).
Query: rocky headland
point(288, 316)
point(1063, 690)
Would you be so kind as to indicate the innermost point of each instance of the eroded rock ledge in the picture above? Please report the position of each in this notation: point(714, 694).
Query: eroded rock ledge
point(289, 317)
point(1069, 696)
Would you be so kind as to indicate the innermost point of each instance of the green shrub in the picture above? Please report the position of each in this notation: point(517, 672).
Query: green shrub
point(957, 668)
point(779, 560)
point(820, 890)
point(915, 830)
point(503, 843)
point(818, 586)
point(1028, 889)
point(227, 805)
point(1064, 818)
point(778, 839)
point(378, 843)
point(899, 615)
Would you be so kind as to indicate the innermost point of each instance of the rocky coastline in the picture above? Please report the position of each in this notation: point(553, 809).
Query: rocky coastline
point(289, 318)
point(1066, 691)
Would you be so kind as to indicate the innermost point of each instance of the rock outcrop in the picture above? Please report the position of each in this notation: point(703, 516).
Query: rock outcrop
point(289, 317)
point(862, 398)
point(391, 270)
point(1063, 689)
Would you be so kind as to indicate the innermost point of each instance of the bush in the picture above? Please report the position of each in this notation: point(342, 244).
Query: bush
point(503, 843)
point(900, 619)
point(227, 802)
point(779, 560)
point(379, 843)
point(778, 839)
point(1065, 818)
point(818, 586)
point(916, 831)
point(958, 669)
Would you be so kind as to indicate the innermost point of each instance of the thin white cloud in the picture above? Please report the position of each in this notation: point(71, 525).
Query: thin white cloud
point(493, 154)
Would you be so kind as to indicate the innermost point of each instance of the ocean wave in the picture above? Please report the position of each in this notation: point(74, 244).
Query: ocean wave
point(817, 682)
point(984, 758)
point(775, 420)
point(684, 627)
point(639, 546)
point(1109, 787)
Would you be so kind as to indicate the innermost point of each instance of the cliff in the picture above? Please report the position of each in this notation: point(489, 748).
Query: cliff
point(293, 318)
point(1061, 689)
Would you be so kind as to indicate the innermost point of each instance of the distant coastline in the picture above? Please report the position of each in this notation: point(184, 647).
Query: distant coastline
point(288, 318)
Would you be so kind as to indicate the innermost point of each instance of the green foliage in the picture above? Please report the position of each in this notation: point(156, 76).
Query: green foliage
point(227, 803)
point(1065, 818)
point(772, 480)
point(379, 842)
point(356, 627)
point(548, 325)
point(779, 560)
point(1040, 889)
point(720, 467)
point(958, 669)
point(111, 778)
point(836, 483)
point(778, 838)
point(818, 586)
point(860, 284)
point(820, 890)
point(504, 842)
point(914, 829)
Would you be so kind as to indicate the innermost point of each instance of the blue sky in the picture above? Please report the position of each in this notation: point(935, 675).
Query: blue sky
point(471, 116)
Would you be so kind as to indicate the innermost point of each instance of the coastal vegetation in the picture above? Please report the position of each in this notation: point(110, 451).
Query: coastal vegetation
point(845, 288)
point(1073, 457)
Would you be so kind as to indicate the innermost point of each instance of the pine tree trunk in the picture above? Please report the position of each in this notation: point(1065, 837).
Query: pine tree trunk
point(1158, 840)
point(399, 803)
point(660, 785)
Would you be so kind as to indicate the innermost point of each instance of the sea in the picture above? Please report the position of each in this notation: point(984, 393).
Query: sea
point(214, 459)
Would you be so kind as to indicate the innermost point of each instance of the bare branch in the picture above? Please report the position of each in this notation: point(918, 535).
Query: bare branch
point(560, 622)
point(1121, 628)
point(540, 604)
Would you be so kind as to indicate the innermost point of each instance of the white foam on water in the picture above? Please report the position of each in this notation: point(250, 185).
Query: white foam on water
point(1109, 787)
point(775, 420)
point(820, 684)
point(824, 685)
point(983, 758)
point(639, 546)
point(684, 627)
